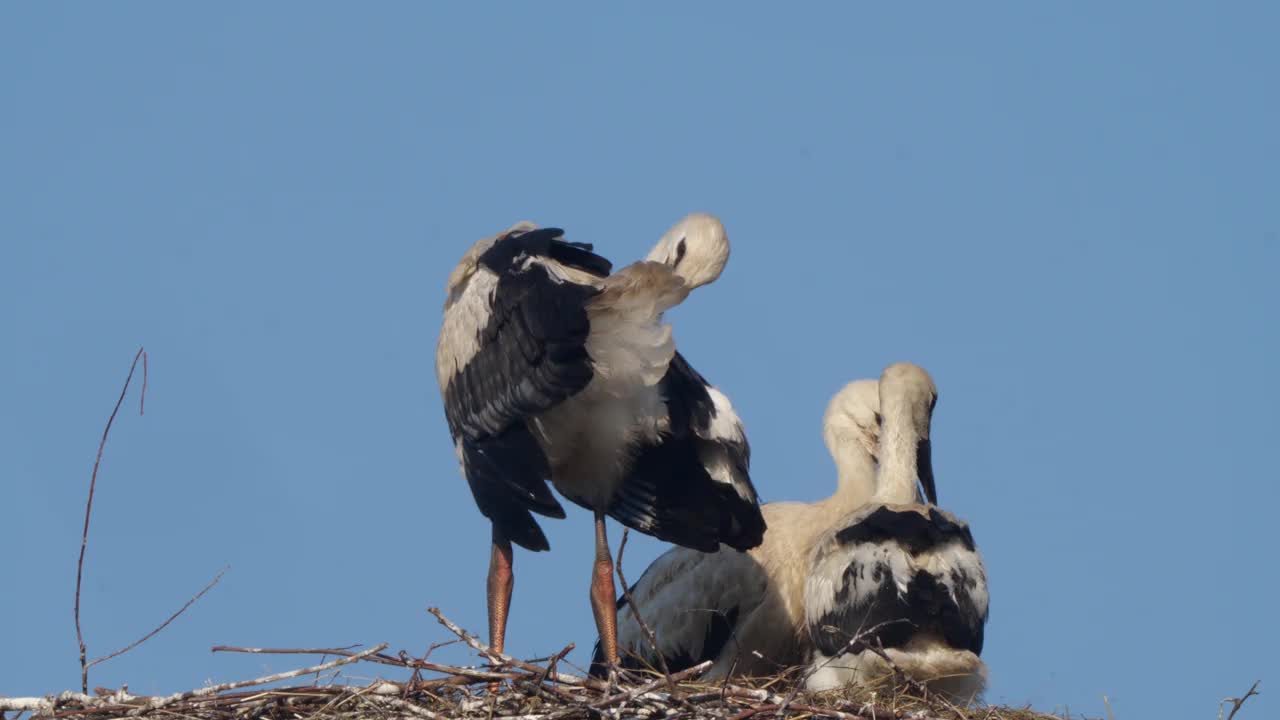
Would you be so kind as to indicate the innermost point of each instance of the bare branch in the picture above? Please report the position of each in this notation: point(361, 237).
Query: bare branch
point(88, 507)
point(476, 645)
point(343, 651)
point(635, 611)
point(653, 685)
point(164, 624)
point(157, 703)
point(1237, 702)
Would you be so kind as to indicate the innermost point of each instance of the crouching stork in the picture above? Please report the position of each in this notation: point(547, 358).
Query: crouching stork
point(899, 578)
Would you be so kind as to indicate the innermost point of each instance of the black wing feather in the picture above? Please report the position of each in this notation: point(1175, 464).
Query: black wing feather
point(532, 356)
point(669, 493)
point(926, 605)
point(720, 630)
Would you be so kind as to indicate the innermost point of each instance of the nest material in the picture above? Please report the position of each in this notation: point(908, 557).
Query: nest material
point(507, 689)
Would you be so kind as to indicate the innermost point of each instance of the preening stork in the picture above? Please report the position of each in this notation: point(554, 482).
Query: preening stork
point(899, 572)
point(552, 368)
point(745, 611)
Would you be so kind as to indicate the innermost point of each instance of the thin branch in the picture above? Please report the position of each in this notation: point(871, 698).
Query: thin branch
point(1237, 702)
point(649, 687)
point(164, 624)
point(157, 703)
point(635, 611)
point(88, 507)
point(479, 647)
point(343, 651)
point(407, 662)
point(854, 641)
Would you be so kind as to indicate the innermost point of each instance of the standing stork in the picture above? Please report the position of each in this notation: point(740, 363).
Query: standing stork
point(553, 368)
point(898, 573)
point(745, 611)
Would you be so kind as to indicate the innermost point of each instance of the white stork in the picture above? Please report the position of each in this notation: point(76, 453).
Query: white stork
point(745, 611)
point(554, 369)
point(904, 573)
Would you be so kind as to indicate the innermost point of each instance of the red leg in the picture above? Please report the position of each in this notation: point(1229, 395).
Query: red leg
point(604, 596)
point(501, 581)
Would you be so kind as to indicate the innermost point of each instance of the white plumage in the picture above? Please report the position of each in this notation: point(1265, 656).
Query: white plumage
point(899, 573)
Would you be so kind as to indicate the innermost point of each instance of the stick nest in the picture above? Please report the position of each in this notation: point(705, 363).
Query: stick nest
point(500, 688)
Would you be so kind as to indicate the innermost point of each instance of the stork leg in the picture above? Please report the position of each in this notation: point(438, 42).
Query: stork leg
point(604, 598)
point(498, 589)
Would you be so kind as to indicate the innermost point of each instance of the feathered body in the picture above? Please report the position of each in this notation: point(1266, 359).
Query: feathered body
point(899, 573)
point(745, 610)
point(553, 368)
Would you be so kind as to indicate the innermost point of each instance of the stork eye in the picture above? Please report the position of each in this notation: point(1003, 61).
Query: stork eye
point(679, 252)
point(879, 419)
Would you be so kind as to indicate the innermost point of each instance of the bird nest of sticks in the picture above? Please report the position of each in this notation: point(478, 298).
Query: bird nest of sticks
point(501, 687)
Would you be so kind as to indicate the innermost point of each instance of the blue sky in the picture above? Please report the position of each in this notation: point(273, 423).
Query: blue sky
point(1067, 213)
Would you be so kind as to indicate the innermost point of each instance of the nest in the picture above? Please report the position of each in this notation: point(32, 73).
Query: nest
point(504, 688)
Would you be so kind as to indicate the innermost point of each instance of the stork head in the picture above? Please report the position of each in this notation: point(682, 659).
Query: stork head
point(852, 421)
point(697, 248)
point(470, 262)
point(907, 399)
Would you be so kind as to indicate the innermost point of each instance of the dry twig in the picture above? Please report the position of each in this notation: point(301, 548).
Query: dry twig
point(644, 627)
point(88, 506)
point(535, 692)
point(162, 625)
point(1237, 702)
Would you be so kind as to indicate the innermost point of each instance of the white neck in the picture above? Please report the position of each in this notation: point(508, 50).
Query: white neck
point(855, 473)
point(899, 441)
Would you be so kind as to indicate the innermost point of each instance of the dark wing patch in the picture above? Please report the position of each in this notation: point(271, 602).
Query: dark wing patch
point(669, 493)
point(892, 619)
point(719, 631)
point(868, 594)
point(532, 356)
point(688, 402)
point(507, 253)
point(914, 531)
point(879, 602)
point(507, 474)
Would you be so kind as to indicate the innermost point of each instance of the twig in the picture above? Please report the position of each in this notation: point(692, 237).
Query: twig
point(552, 662)
point(157, 703)
point(651, 686)
point(164, 624)
point(343, 651)
point(88, 506)
point(476, 645)
point(1237, 702)
point(635, 611)
point(857, 638)
point(404, 662)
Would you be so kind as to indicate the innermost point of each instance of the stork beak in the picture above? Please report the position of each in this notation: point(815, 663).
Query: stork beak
point(924, 469)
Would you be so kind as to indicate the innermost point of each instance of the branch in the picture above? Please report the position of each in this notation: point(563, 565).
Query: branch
point(635, 611)
point(88, 507)
point(1237, 702)
point(157, 703)
point(652, 685)
point(857, 638)
point(407, 662)
point(164, 624)
point(474, 644)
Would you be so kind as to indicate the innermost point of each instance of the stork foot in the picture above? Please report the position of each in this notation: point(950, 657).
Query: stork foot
point(618, 677)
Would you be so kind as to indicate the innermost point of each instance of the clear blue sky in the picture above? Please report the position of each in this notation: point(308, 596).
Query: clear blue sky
point(1070, 215)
